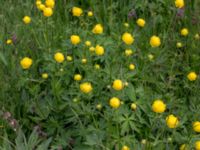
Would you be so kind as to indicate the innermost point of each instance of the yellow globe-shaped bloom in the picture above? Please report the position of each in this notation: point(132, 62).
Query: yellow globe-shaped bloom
point(59, 57)
point(184, 32)
point(50, 3)
point(127, 38)
point(196, 126)
point(38, 3)
point(88, 43)
point(192, 76)
point(179, 3)
point(98, 29)
point(41, 7)
point(9, 41)
point(90, 13)
point(27, 19)
point(69, 58)
point(133, 106)
point(86, 87)
point(76, 11)
point(172, 121)
point(179, 45)
point(132, 67)
point(125, 147)
point(118, 85)
point(183, 147)
point(115, 102)
point(77, 77)
point(97, 66)
point(197, 145)
point(128, 52)
point(47, 12)
point(99, 50)
point(26, 63)
point(45, 75)
point(158, 106)
point(84, 60)
point(155, 41)
point(141, 22)
point(197, 36)
point(75, 39)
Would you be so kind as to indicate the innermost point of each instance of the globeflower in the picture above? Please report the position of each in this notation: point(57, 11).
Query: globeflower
point(184, 32)
point(75, 39)
point(98, 29)
point(141, 22)
point(26, 19)
point(179, 3)
point(115, 102)
point(76, 11)
point(50, 3)
point(99, 50)
point(26, 62)
point(158, 106)
point(172, 121)
point(118, 85)
point(59, 57)
point(127, 38)
point(47, 12)
point(155, 41)
point(192, 76)
point(196, 126)
point(86, 87)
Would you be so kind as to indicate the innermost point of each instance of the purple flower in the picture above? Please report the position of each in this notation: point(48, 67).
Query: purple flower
point(180, 13)
point(132, 13)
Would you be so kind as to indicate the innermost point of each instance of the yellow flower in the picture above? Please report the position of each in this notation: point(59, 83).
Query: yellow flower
point(172, 121)
point(50, 3)
point(90, 13)
point(69, 58)
point(133, 106)
point(184, 32)
point(99, 50)
point(197, 145)
point(77, 77)
point(151, 57)
point(41, 7)
point(196, 126)
point(128, 52)
point(26, 62)
point(192, 76)
point(183, 147)
point(97, 66)
point(38, 3)
point(47, 12)
point(98, 29)
point(45, 76)
point(26, 19)
point(196, 36)
point(92, 49)
point(126, 24)
point(132, 67)
point(127, 38)
point(99, 106)
point(179, 45)
point(84, 60)
point(75, 39)
point(155, 41)
point(76, 11)
point(87, 43)
point(158, 106)
point(179, 3)
point(140, 22)
point(118, 85)
point(9, 41)
point(86, 87)
point(59, 57)
point(115, 102)
point(125, 147)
